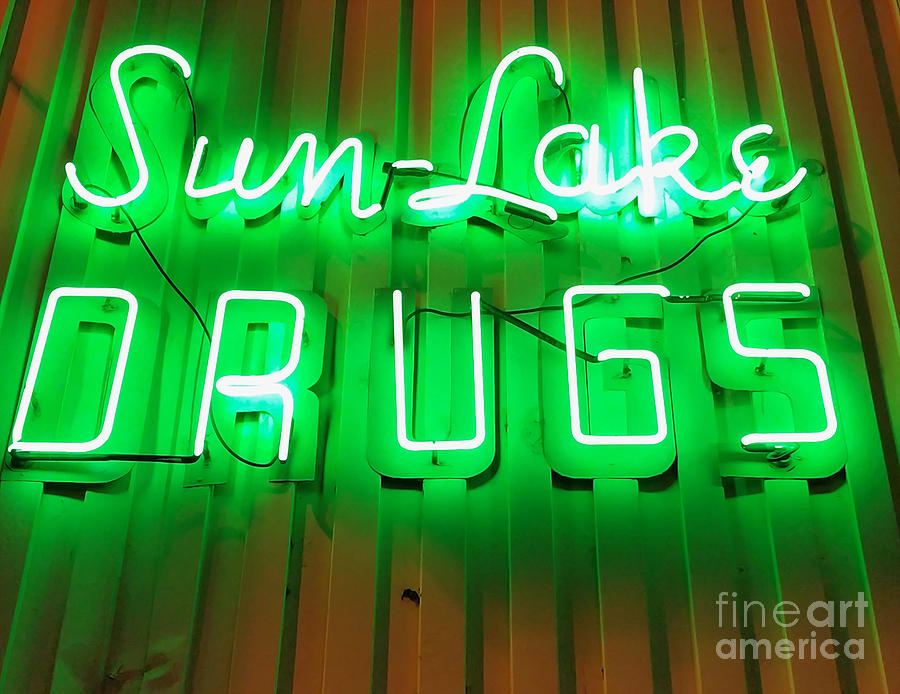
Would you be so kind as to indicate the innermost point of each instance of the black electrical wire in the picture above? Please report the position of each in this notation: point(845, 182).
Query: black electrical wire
point(137, 230)
point(190, 96)
point(171, 282)
point(510, 318)
point(510, 315)
point(691, 251)
point(540, 334)
point(102, 457)
point(664, 268)
point(212, 417)
point(106, 457)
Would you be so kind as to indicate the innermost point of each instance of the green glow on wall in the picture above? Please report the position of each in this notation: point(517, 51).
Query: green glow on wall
point(567, 522)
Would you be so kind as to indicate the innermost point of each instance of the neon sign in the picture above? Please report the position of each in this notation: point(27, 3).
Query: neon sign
point(660, 166)
point(568, 170)
point(273, 385)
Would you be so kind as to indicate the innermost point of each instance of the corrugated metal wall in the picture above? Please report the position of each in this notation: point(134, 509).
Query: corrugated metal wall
point(213, 578)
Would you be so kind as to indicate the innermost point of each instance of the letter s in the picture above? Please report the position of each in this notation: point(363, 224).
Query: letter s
point(143, 173)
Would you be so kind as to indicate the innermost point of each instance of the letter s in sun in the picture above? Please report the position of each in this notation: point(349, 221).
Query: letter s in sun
point(143, 173)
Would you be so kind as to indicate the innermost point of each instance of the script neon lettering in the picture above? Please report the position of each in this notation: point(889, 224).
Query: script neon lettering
point(606, 354)
point(757, 168)
point(774, 353)
point(597, 181)
point(456, 194)
point(316, 183)
point(400, 383)
point(540, 154)
point(270, 384)
point(143, 173)
point(118, 375)
point(649, 171)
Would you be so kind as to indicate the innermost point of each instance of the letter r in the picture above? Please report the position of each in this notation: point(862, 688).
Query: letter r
point(271, 384)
